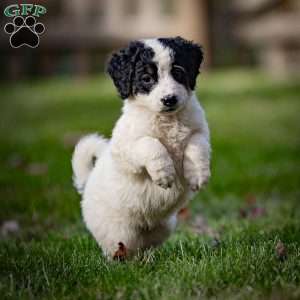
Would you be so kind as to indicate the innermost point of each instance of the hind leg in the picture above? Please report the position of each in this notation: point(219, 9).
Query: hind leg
point(159, 233)
point(112, 231)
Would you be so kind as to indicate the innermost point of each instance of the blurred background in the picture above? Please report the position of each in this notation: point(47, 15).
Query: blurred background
point(80, 33)
point(57, 92)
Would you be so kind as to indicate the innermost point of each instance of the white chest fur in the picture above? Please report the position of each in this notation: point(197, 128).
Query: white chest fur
point(173, 133)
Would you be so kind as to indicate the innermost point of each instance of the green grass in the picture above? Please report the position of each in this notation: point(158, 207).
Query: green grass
point(255, 129)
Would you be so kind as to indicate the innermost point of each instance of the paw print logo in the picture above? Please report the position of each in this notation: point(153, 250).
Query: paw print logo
point(24, 32)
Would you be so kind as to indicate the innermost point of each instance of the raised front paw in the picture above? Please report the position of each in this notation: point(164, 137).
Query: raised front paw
point(165, 181)
point(162, 174)
point(197, 180)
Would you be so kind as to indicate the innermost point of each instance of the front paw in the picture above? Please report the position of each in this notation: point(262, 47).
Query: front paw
point(165, 181)
point(197, 181)
point(162, 174)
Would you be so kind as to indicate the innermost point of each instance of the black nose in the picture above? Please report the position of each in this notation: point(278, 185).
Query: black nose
point(169, 101)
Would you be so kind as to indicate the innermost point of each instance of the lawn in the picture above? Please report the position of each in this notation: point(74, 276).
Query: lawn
point(247, 245)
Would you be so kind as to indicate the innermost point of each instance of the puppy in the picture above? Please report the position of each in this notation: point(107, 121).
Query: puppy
point(134, 184)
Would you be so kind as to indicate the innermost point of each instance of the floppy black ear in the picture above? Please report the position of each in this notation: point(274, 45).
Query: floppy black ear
point(187, 54)
point(121, 68)
point(195, 58)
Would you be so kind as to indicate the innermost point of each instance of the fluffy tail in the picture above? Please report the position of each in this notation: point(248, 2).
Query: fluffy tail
point(88, 149)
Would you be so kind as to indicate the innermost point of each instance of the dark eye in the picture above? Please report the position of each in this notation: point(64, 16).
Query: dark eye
point(178, 73)
point(146, 78)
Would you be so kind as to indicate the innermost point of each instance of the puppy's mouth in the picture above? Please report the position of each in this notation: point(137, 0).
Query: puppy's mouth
point(169, 109)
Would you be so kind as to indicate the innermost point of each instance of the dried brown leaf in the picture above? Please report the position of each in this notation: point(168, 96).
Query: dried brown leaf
point(281, 251)
point(200, 226)
point(70, 139)
point(37, 168)
point(16, 161)
point(184, 214)
point(10, 227)
point(121, 253)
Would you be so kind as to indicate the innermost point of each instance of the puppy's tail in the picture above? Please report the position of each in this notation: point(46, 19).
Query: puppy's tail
point(88, 149)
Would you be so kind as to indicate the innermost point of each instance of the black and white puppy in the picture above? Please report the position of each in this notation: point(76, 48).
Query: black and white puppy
point(159, 153)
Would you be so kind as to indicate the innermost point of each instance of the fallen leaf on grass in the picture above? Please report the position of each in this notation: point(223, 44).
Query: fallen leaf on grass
point(243, 213)
point(215, 243)
point(121, 253)
point(16, 161)
point(184, 214)
point(200, 226)
point(252, 210)
point(70, 139)
point(37, 168)
point(257, 212)
point(10, 227)
point(250, 199)
point(281, 251)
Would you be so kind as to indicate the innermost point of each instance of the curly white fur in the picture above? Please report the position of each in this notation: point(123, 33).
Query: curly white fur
point(147, 171)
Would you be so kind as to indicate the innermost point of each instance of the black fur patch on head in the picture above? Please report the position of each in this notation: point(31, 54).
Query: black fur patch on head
point(145, 73)
point(186, 61)
point(133, 70)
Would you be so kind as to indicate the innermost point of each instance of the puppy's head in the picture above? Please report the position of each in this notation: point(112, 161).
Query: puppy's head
point(159, 74)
